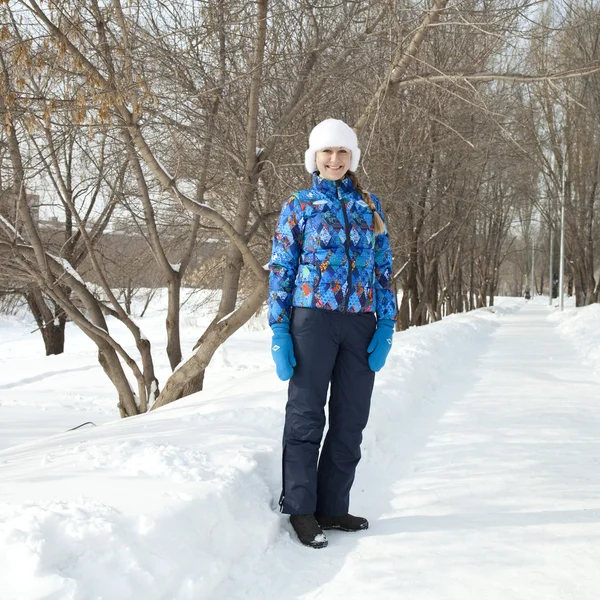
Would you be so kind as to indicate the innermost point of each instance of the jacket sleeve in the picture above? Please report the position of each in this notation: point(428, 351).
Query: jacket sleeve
point(285, 256)
point(385, 298)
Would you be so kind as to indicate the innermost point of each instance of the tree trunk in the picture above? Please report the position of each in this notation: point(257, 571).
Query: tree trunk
point(51, 324)
point(194, 384)
point(590, 292)
point(251, 166)
point(459, 305)
point(231, 280)
point(173, 319)
point(109, 361)
point(107, 355)
point(482, 296)
point(404, 310)
point(412, 288)
point(471, 304)
point(191, 373)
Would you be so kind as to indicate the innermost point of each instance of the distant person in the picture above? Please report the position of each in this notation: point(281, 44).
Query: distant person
point(332, 310)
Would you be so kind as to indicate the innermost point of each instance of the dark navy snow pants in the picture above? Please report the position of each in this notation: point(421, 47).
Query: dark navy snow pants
point(330, 348)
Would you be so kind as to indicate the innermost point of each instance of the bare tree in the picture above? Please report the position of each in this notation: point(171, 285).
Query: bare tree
point(202, 107)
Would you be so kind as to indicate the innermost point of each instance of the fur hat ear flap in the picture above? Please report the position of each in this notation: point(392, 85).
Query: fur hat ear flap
point(310, 160)
point(331, 133)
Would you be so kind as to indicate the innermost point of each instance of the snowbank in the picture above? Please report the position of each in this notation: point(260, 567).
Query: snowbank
point(182, 503)
point(582, 327)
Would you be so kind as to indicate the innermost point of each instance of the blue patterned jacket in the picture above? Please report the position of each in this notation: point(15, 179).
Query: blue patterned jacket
point(326, 254)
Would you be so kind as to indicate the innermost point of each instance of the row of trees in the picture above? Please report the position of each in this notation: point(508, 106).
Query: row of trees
point(188, 121)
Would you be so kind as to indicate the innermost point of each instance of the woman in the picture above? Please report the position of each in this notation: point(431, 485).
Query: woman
point(332, 312)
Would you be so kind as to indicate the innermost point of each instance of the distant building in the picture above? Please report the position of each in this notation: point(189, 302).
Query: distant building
point(33, 200)
point(123, 250)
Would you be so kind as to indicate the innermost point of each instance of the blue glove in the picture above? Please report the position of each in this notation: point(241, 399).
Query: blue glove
point(282, 350)
point(381, 344)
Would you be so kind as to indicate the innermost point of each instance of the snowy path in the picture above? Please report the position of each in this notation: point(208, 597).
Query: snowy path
point(495, 495)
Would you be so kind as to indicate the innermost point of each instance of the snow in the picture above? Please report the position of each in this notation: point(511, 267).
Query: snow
point(153, 394)
point(10, 227)
point(478, 473)
point(225, 317)
point(579, 326)
point(66, 265)
point(164, 169)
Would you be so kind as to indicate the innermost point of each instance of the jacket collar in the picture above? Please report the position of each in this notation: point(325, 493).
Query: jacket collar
point(330, 188)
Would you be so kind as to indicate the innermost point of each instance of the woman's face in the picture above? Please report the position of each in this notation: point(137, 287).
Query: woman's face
point(333, 163)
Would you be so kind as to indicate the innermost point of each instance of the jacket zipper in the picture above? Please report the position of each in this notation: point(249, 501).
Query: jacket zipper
point(347, 245)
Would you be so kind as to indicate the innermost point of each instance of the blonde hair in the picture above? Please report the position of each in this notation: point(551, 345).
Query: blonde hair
point(378, 223)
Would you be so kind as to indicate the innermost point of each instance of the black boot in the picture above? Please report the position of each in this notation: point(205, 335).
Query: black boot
point(308, 531)
point(346, 523)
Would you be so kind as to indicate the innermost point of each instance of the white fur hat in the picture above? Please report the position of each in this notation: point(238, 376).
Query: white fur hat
point(327, 134)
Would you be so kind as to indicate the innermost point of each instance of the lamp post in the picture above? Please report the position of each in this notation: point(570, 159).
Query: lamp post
point(532, 268)
point(551, 231)
point(550, 270)
point(561, 276)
